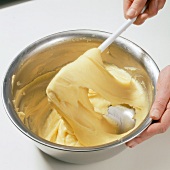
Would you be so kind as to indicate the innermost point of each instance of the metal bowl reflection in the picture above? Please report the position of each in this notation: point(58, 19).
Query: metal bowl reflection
point(55, 51)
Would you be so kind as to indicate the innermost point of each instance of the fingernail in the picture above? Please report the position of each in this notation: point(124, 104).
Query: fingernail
point(155, 114)
point(131, 12)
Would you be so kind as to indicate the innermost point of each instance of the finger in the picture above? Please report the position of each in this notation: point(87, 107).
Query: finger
point(126, 6)
point(152, 9)
point(162, 94)
point(142, 137)
point(161, 4)
point(148, 133)
point(162, 125)
point(139, 139)
point(153, 129)
point(134, 9)
point(141, 19)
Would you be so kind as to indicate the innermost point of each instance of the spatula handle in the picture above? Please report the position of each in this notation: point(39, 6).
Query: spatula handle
point(121, 29)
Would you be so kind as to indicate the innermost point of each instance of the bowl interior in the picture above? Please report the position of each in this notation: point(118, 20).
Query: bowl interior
point(51, 53)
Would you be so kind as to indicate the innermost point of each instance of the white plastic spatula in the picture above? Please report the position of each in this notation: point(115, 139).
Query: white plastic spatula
point(123, 116)
point(121, 29)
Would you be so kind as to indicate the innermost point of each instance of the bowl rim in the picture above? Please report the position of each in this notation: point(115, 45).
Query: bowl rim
point(17, 122)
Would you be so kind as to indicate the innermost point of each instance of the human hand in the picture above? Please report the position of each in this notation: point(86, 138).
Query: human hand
point(160, 110)
point(133, 8)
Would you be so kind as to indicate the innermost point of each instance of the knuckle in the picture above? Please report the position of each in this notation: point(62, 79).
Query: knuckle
point(160, 104)
point(139, 140)
point(154, 12)
point(137, 4)
point(163, 129)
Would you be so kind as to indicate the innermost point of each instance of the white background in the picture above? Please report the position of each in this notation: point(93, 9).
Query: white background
point(24, 23)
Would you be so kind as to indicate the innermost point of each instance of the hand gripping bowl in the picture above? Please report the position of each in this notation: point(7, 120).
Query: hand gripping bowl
point(55, 51)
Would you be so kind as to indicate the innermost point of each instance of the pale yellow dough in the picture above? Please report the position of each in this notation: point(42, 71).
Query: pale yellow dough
point(80, 95)
point(72, 109)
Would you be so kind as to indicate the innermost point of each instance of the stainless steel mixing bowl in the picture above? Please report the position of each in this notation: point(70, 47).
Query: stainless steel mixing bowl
point(55, 51)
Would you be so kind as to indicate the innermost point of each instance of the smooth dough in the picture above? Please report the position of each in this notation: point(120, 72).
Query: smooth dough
point(80, 94)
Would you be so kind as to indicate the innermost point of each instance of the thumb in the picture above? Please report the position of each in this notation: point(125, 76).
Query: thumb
point(135, 8)
point(162, 94)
